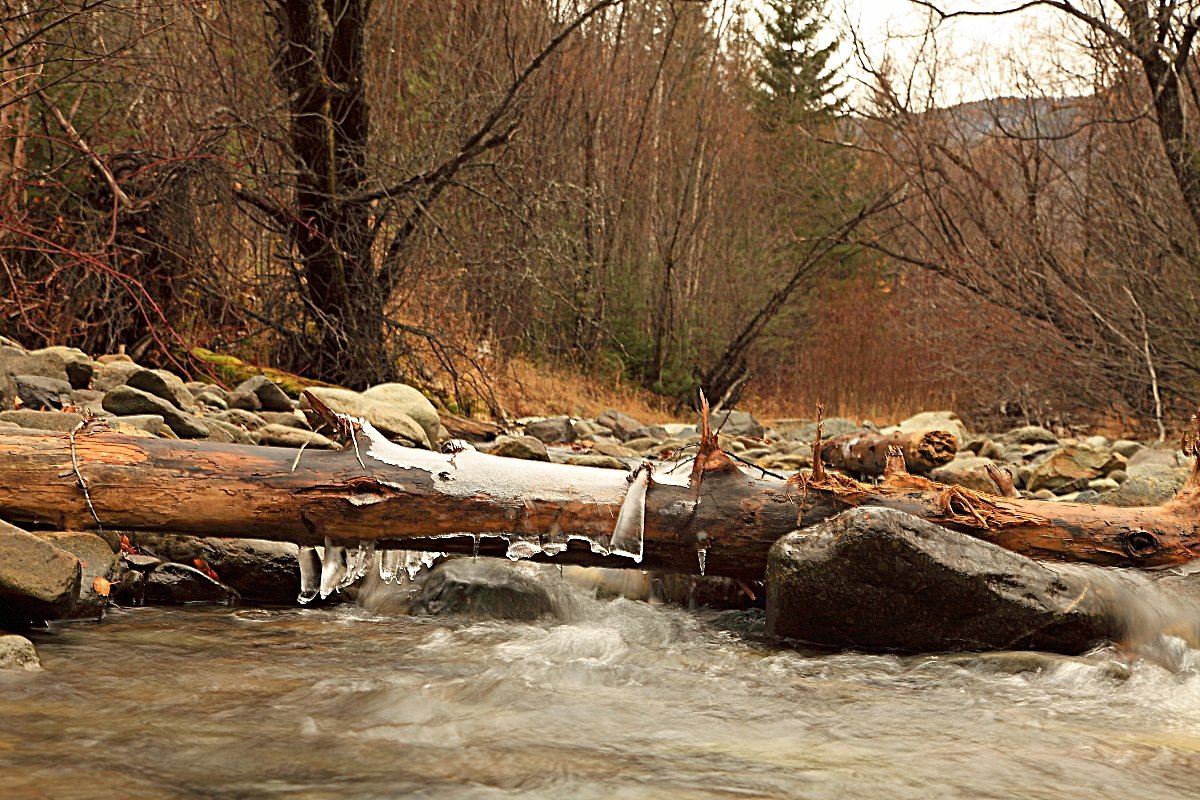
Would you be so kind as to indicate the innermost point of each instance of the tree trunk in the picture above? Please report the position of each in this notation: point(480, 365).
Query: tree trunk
point(866, 453)
point(722, 523)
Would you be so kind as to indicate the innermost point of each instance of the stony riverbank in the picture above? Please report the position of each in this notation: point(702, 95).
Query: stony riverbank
point(52, 575)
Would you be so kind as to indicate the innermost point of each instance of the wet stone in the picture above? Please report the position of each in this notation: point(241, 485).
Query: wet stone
point(17, 654)
point(270, 396)
point(488, 587)
point(178, 583)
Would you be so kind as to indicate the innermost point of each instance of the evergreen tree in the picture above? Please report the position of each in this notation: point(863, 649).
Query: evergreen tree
point(796, 82)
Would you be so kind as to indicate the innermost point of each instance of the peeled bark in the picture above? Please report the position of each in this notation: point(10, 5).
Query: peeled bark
point(866, 453)
point(721, 523)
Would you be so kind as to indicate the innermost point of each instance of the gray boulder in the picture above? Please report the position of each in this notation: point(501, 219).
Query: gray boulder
point(881, 580)
point(735, 423)
point(411, 402)
point(968, 471)
point(166, 385)
point(241, 418)
point(387, 418)
point(488, 587)
point(170, 583)
point(58, 421)
point(96, 560)
point(932, 421)
point(59, 363)
point(38, 581)
point(126, 400)
point(1067, 467)
point(553, 430)
point(113, 374)
point(17, 654)
point(262, 571)
point(1145, 490)
point(245, 401)
point(598, 461)
point(834, 426)
point(270, 396)
point(621, 424)
point(38, 392)
point(283, 436)
point(525, 447)
point(1029, 434)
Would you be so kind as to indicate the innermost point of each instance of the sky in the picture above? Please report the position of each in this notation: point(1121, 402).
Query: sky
point(1036, 50)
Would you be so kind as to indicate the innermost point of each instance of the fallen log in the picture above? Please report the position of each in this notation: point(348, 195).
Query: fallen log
point(719, 521)
point(866, 453)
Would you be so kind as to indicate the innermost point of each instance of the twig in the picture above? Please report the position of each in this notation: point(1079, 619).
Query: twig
point(79, 475)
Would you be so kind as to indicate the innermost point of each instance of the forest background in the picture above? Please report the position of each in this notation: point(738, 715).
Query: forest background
point(631, 195)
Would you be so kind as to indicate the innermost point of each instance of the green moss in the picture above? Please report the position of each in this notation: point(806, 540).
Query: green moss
point(232, 371)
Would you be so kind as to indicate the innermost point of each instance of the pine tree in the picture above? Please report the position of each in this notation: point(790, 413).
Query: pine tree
point(796, 80)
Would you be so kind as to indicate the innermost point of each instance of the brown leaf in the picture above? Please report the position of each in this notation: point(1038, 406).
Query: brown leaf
point(101, 586)
point(203, 566)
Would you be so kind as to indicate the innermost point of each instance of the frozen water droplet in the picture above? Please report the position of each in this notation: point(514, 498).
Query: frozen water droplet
point(310, 574)
point(630, 530)
point(522, 547)
point(333, 568)
point(358, 561)
point(475, 550)
point(702, 555)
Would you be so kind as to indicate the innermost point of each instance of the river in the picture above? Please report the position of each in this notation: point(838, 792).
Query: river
point(608, 699)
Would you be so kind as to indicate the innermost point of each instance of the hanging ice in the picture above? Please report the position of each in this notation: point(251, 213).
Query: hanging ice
point(358, 561)
point(475, 549)
point(333, 568)
point(702, 555)
point(310, 574)
point(629, 533)
point(390, 562)
point(520, 547)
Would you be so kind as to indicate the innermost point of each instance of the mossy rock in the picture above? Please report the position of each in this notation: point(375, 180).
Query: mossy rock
point(232, 371)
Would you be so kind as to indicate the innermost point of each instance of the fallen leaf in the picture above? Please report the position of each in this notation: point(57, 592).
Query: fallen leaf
point(203, 566)
point(126, 547)
point(101, 586)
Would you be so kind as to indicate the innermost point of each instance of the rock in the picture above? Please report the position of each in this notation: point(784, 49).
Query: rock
point(525, 447)
point(387, 418)
point(8, 389)
point(1101, 485)
point(834, 426)
point(411, 402)
point(735, 423)
point(219, 431)
point(613, 450)
point(655, 432)
point(58, 421)
point(59, 363)
point(178, 583)
point(150, 423)
point(1029, 434)
point(38, 392)
point(96, 560)
point(241, 418)
point(967, 471)
point(292, 419)
point(488, 587)
point(283, 436)
point(1145, 490)
point(642, 444)
point(785, 461)
point(113, 358)
point(932, 421)
point(1118, 476)
point(270, 396)
point(1066, 466)
point(592, 460)
point(262, 571)
point(586, 429)
point(17, 654)
point(113, 374)
point(212, 400)
point(553, 430)
point(1149, 461)
point(166, 385)
point(878, 579)
point(246, 401)
point(1127, 447)
point(126, 400)
point(622, 425)
point(38, 581)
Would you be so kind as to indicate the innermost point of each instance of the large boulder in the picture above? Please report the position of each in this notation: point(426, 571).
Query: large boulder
point(96, 560)
point(285, 436)
point(525, 447)
point(1145, 490)
point(966, 470)
point(409, 401)
point(57, 421)
point(170, 583)
point(878, 579)
point(259, 570)
point(553, 430)
point(59, 363)
point(270, 396)
point(735, 423)
point(621, 424)
point(1029, 434)
point(167, 385)
point(488, 587)
point(38, 581)
point(126, 400)
point(387, 418)
point(17, 654)
point(1068, 467)
point(113, 374)
point(39, 392)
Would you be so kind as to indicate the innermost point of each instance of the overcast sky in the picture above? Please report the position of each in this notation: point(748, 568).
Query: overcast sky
point(980, 57)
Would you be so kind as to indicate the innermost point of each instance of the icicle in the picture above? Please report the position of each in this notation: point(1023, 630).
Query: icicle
point(333, 568)
point(390, 562)
point(358, 561)
point(475, 550)
point(310, 574)
point(630, 530)
point(520, 547)
point(702, 555)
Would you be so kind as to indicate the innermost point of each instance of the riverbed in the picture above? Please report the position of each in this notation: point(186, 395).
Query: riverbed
point(608, 699)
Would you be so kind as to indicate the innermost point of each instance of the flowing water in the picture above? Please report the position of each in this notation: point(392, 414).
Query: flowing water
point(609, 699)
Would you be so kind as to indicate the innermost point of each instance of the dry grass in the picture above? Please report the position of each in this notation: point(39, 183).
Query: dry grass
point(528, 389)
